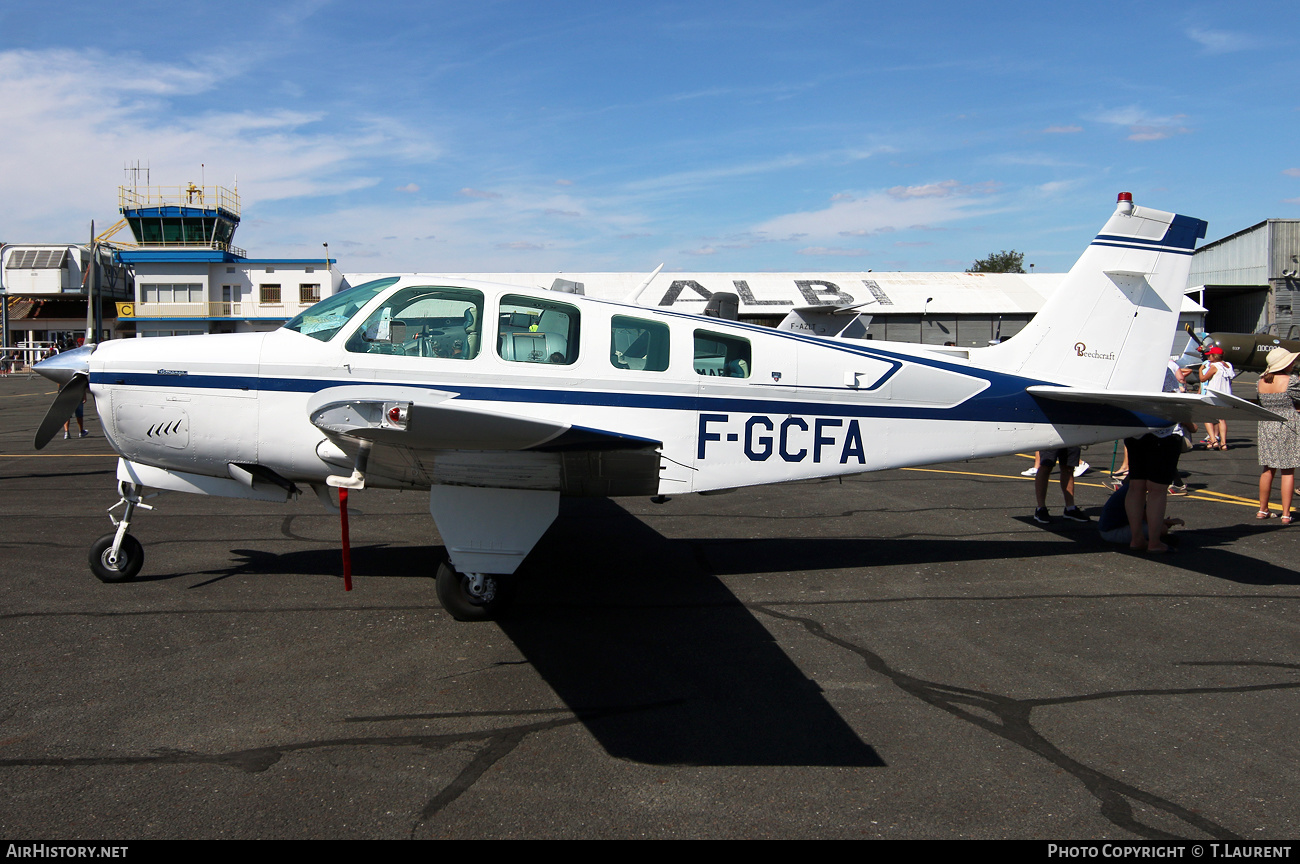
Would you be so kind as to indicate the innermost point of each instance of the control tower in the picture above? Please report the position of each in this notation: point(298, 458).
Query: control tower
point(182, 216)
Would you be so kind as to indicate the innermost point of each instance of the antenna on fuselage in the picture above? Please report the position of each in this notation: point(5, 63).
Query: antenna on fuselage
point(635, 297)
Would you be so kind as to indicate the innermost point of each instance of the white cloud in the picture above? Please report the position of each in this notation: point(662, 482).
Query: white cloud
point(409, 187)
point(1221, 41)
point(1055, 186)
point(1292, 172)
point(75, 118)
point(1062, 130)
point(878, 212)
point(834, 250)
point(945, 189)
point(1144, 126)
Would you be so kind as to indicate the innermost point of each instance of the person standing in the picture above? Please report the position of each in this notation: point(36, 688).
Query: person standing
point(1279, 440)
point(1153, 468)
point(1068, 457)
point(1182, 380)
point(1216, 377)
point(81, 420)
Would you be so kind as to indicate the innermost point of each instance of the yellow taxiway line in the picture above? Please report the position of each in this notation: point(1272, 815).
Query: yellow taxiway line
point(1200, 495)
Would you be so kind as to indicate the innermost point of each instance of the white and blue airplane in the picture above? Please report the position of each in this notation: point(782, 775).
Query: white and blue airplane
point(499, 400)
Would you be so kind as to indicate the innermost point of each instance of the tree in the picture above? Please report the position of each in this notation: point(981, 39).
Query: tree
point(1000, 262)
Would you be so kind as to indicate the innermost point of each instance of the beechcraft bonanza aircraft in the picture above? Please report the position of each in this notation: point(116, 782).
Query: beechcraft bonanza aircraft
point(499, 400)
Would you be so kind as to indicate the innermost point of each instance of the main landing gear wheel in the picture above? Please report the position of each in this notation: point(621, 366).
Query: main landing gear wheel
point(130, 558)
point(473, 599)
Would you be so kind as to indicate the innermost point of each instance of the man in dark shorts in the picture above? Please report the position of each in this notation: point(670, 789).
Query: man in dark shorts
point(1069, 459)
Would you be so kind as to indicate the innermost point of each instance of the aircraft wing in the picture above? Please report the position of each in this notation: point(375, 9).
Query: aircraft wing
point(425, 437)
point(1174, 407)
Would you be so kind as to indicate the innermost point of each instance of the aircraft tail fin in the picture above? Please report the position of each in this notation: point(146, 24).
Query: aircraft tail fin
point(1111, 322)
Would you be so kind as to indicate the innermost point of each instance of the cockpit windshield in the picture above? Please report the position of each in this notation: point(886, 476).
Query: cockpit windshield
point(328, 316)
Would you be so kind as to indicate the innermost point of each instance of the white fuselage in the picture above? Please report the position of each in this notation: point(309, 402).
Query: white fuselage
point(807, 407)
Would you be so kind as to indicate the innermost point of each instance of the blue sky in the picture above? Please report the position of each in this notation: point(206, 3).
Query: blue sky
point(577, 136)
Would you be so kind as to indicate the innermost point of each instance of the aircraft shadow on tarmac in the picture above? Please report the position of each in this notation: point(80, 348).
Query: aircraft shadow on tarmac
point(613, 615)
point(655, 656)
point(1205, 551)
point(639, 637)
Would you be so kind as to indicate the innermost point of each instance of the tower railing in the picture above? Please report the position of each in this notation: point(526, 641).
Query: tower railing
point(189, 195)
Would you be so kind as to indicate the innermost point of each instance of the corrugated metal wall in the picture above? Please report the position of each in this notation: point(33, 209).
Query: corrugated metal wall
point(1285, 312)
point(1242, 260)
point(1284, 246)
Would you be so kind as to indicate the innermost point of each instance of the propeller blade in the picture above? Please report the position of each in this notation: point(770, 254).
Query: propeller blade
point(70, 396)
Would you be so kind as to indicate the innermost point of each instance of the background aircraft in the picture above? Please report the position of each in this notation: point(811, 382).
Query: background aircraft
point(1246, 351)
point(499, 400)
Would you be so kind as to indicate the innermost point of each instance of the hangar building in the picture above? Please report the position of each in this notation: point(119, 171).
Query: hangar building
point(1248, 280)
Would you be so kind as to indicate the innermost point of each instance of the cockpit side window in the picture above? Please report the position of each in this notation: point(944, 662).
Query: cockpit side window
point(424, 321)
point(327, 317)
point(537, 331)
point(638, 344)
point(723, 356)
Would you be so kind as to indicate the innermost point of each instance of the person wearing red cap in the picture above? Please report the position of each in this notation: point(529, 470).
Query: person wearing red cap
point(1216, 377)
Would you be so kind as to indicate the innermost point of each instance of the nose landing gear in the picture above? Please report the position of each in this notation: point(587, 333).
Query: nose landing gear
point(118, 557)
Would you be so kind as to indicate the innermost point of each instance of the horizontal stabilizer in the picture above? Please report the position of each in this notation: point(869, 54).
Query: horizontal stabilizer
point(827, 320)
point(1173, 407)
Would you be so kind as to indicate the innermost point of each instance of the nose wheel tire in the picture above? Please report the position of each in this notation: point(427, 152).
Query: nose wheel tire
point(130, 558)
point(466, 601)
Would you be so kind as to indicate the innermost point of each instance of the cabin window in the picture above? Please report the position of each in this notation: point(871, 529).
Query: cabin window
point(325, 319)
point(537, 331)
point(723, 356)
point(424, 321)
point(638, 344)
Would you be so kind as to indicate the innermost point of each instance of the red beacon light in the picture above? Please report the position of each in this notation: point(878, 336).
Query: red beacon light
point(396, 414)
point(1125, 202)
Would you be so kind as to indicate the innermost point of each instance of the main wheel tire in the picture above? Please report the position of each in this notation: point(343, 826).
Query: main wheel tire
point(455, 596)
point(130, 558)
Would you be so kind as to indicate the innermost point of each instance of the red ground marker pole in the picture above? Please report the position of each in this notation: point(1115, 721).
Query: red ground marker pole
point(347, 546)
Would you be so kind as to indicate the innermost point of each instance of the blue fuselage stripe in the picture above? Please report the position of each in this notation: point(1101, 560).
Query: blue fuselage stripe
point(1005, 400)
point(1146, 248)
